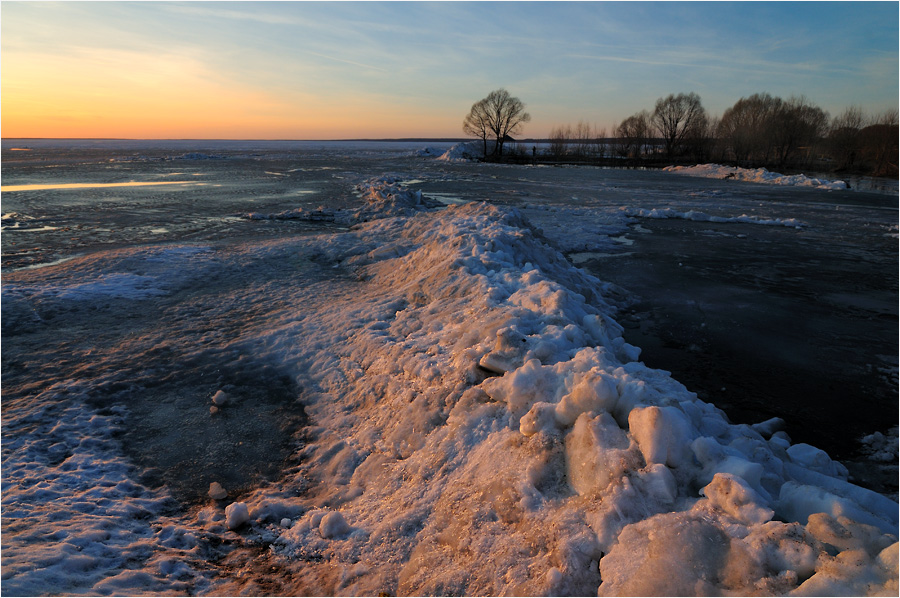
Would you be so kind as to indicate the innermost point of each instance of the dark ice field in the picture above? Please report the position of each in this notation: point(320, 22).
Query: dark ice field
point(762, 321)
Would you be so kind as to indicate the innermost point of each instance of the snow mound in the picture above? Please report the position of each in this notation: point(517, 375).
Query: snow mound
point(320, 214)
point(429, 152)
point(882, 447)
point(462, 152)
point(487, 430)
point(665, 213)
point(477, 425)
point(755, 175)
point(385, 197)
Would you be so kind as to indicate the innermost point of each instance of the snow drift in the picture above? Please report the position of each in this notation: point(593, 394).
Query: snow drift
point(478, 426)
point(754, 175)
point(466, 151)
point(486, 430)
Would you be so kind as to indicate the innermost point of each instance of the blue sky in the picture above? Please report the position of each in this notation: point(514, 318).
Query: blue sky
point(391, 69)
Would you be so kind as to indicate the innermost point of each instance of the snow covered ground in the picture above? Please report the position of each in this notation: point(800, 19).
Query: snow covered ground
point(424, 401)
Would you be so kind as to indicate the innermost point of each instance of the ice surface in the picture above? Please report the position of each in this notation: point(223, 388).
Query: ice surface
point(663, 213)
point(477, 425)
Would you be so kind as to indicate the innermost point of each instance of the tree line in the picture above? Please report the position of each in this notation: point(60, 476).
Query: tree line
point(759, 130)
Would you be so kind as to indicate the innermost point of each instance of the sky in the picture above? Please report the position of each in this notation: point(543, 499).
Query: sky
point(345, 70)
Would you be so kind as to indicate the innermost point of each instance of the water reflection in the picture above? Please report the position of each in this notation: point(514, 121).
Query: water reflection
point(45, 187)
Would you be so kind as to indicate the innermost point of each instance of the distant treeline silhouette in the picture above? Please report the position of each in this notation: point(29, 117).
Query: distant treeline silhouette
point(760, 130)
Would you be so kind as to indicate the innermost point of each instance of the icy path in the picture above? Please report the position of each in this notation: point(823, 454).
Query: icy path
point(473, 423)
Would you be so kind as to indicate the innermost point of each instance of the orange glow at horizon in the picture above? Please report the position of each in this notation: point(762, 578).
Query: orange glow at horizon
point(128, 95)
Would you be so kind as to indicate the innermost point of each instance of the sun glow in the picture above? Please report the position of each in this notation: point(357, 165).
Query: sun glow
point(128, 94)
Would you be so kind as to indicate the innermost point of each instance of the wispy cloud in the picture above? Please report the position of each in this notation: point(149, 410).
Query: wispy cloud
point(345, 61)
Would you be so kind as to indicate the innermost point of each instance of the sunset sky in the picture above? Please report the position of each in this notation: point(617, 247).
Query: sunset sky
point(305, 70)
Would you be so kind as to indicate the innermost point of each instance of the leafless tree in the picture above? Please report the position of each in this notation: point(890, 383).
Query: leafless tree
point(674, 117)
point(633, 133)
point(747, 127)
point(598, 143)
point(506, 115)
point(559, 141)
point(880, 144)
point(478, 123)
point(700, 140)
point(582, 135)
point(798, 125)
point(845, 137)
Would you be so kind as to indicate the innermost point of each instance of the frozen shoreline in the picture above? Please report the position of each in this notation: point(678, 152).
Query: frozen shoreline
point(477, 425)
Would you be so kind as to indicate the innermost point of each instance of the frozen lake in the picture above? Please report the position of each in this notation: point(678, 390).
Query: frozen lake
point(141, 279)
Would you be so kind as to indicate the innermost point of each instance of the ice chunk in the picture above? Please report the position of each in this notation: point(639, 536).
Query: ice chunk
point(816, 460)
point(839, 534)
point(735, 496)
point(597, 452)
point(658, 483)
point(595, 392)
point(216, 491)
point(675, 554)
point(220, 398)
point(662, 433)
point(540, 418)
point(769, 427)
point(798, 502)
point(333, 525)
point(236, 515)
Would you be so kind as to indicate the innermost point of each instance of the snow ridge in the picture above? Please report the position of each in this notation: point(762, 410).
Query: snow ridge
point(477, 425)
point(665, 213)
point(754, 175)
point(493, 433)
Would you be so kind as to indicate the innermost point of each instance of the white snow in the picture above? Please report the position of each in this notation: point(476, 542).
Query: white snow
point(466, 151)
point(477, 425)
point(664, 213)
point(754, 175)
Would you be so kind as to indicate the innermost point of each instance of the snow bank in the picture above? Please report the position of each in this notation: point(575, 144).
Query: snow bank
point(665, 213)
point(429, 152)
point(483, 428)
point(382, 197)
point(756, 175)
point(477, 425)
point(463, 152)
point(320, 214)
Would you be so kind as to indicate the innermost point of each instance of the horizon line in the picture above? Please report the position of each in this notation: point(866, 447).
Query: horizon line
point(381, 139)
point(236, 139)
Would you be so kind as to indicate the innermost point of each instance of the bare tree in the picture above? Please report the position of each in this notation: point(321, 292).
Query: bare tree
point(700, 138)
point(845, 137)
point(506, 116)
point(747, 127)
point(582, 135)
point(633, 133)
point(598, 143)
point(478, 123)
point(675, 116)
point(798, 124)
point(559, 141)
point(880, 144)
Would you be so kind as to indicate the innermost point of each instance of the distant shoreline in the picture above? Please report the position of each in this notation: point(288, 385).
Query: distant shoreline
point(387, 140)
